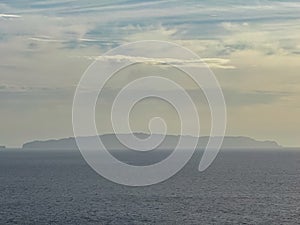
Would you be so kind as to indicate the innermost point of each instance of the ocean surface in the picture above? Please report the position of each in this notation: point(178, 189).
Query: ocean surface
point(248, 187)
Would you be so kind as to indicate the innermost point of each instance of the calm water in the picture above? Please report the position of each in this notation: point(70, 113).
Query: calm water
point(239, 188)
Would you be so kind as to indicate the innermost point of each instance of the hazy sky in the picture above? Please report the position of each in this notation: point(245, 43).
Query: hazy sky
point(253, 47)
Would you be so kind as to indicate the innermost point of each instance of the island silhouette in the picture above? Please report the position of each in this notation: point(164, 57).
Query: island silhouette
point(169, 142)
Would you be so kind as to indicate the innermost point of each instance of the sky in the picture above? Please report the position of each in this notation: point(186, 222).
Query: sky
point(253, 48)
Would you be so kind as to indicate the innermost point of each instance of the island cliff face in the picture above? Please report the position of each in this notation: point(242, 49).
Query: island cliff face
point(170, 142)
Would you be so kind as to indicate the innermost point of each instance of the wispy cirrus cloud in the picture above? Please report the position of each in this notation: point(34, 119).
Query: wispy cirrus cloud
point(203, 62)
point(9, 16)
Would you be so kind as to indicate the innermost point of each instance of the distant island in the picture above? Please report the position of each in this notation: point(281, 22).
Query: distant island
point(2, 147)
point(169, 142)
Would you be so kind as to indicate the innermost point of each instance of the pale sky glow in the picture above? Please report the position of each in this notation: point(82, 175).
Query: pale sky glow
point(253, 47)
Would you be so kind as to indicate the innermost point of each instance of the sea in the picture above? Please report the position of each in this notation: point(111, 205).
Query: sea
point(240, 187)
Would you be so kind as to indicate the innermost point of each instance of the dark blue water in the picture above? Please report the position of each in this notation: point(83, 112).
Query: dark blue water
point(239, 188)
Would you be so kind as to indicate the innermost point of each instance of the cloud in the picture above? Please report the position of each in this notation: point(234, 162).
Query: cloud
point(8, 88)
point(9, 16)
point(12, 88)
point(45, 39)
point(234, 26)
point(211, 62)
